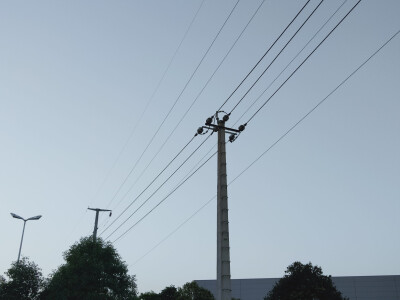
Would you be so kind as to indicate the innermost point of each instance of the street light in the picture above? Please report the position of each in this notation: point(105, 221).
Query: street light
point(23, 230)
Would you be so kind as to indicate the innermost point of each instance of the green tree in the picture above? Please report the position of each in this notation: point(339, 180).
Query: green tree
point(169, 293)
point(189, 291)
point(192, 291)
point(304, 282)
point(92, 271)
point(25, 281)
point(149, 296)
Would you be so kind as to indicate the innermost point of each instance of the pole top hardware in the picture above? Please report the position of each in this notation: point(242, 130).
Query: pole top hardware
point(98, 209)
point(214, 123)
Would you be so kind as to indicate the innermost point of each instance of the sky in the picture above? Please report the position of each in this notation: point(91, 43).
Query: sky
point(90, 91)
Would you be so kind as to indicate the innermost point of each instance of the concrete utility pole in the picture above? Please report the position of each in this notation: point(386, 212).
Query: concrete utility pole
point(97, 210)
point(224, 291)
point(223, 255)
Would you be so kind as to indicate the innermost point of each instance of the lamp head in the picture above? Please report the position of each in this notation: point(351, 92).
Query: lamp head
point(17, 217)
point(35, 218)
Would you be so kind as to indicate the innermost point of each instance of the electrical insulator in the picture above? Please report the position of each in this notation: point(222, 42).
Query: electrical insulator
point(200, 130)
point(231, 138)
point(209, 121)
point(225, 118)
point(241, 127)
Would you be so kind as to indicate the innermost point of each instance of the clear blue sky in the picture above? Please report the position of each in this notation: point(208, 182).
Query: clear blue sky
point(76, 76)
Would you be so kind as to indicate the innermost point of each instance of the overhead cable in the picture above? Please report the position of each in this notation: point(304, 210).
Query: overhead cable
point(174, 104)
point(169, 177)
point(149, 101)
point(262, 57)
point(199, 94)
point(158, 175)
point(175, 230)
point(271, 146)
point(165, 198)
point(279, 53)
point(284, 69)
point(258, 110)
point(307, 57)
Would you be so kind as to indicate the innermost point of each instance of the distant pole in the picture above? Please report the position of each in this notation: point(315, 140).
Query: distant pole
point(213, 123)
point(97, 210)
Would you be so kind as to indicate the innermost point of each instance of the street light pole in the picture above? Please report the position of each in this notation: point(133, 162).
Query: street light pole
point(23, 230)
point(20, 245)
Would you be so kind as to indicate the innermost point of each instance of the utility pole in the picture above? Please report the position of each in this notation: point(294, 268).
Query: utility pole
point(224, 291)
point(97, 210)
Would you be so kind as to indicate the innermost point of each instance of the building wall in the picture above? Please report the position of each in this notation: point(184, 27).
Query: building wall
point(354, 287)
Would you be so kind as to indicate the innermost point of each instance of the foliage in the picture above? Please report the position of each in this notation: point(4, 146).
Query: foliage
point(92, 271)
point(149, 296)
point(25, 281)
point(192, 291)
point(189, 291)
point(169, 293)
point(304, 282)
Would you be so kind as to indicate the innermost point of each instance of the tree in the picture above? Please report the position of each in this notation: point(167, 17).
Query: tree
point(304, 282)
point(189, 291)
point(92, 271)
point(169, 293)
point(25, 281)
point(192, 291)
point(149, 296)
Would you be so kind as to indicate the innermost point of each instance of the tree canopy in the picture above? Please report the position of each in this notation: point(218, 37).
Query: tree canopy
point(24, 282)
point(189, 291)
point(169, 293)
point(192, 291)
point(150, 296)
point(304, 282)
point(92, 271)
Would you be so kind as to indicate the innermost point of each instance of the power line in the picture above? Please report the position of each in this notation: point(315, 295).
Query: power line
point(262, 57)
point(319, 103)
point(174, 104)
point(308, 55)
point(142, 115)
point(159, 174)
point(180, 183)
point(198, 95)
point(149, 101)
point(298, 53)
point(264, 104)
point(218, 68)
point(274, 144)
point(175, 230)
point(158, 204)
point(151, 194)
point(257, 111)
point(282, 50)
point(199, 162)
point(279, 53)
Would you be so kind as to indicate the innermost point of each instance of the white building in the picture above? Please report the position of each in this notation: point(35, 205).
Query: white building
point(353, 287)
